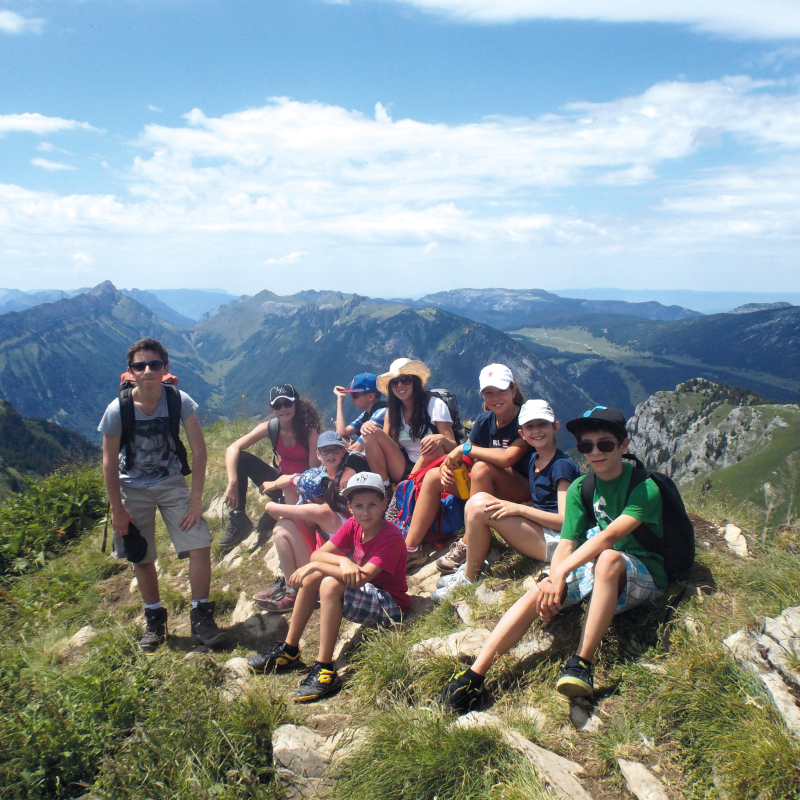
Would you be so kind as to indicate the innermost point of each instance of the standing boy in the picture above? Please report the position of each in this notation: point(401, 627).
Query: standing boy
point(145, 474)
point(597, 555)
point(359, 574)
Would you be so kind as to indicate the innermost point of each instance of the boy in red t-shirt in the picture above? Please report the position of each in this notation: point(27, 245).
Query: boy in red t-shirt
point(359, 574)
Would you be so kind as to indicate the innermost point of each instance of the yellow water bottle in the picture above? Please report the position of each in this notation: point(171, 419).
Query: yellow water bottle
point(462, 479)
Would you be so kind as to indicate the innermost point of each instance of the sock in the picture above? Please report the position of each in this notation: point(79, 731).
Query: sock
point(323, 665)
point(411, 549)
point(290, 650)
point(153, 606)
point(196, 603)
point(473, 677)
point(387, 483)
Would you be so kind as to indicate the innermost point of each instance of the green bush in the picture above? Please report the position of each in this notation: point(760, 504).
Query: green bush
point(47, 516)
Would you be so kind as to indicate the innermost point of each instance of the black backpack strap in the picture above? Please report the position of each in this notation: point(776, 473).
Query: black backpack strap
point(375, 408)
point(174, 410)
point(128, 417)
point(587, 493)
point(274, 431)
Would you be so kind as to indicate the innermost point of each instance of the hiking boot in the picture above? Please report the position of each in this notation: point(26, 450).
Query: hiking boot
point(415, 557)
point(274, 660)
point(204, 629)
point(238, 529)
point(460, 694)
point(576, 678)
point(453, 558)
point(278, 588)
point(320, 682)
point(155, 632)
point(280, 603)
point(447, 583)
point(266, 523)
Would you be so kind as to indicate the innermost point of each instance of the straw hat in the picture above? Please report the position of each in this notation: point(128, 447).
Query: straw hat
point(402, 366)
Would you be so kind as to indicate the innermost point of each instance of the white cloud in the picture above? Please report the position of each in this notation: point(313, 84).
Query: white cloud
point(53, 166)
point(82, 260)
point(741, 19)
point(39, 124)
point(15, 24)
point(287, 259)
point(154, 108)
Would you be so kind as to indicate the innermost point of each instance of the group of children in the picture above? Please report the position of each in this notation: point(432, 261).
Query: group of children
point(328, 506)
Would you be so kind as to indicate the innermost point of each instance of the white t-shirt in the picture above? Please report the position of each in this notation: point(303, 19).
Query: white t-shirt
point(437, 411)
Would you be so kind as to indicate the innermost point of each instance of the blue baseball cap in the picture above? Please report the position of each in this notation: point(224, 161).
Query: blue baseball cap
point(364, 382)
point(311, 484)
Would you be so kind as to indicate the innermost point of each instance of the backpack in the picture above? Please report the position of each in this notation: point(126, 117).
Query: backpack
point(451, 402)
point(451, 512)
point(678, 546)
point(128, 415)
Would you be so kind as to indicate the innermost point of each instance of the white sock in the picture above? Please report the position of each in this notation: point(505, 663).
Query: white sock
point(196, 603)
point(153, 606)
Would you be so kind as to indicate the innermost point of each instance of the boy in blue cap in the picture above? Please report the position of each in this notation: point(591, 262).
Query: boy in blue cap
point(366, 398)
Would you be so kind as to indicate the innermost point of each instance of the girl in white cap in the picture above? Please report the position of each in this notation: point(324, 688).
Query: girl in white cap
point(499, 454)
point(417, 429)
point(321, 511)
point(532, 528)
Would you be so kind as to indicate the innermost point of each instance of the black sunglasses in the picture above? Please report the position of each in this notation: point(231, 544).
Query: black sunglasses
point(404, 379)
point(604, 446)
point(140, 366)
point(279, 404)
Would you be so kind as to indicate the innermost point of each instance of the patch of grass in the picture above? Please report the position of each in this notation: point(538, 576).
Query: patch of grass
point(422, 755)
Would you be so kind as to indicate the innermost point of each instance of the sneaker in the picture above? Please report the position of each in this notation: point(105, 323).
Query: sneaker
point(277, 588)
point(204, 629)
point(576, 679)
point(274, 660)
point(320, 682)
point(238, 529)
point(155, 632)
point(447, 583)
point(460, 694)
point(415, 557)
point(453, 558)
point(280, 603)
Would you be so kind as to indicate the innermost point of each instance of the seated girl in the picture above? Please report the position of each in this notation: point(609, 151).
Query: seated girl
point(417, 428)
point(299, 427)
point(499, 455)
point(533, 529)
point(300, 529)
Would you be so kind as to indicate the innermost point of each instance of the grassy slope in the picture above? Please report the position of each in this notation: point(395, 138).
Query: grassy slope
point(140, 727)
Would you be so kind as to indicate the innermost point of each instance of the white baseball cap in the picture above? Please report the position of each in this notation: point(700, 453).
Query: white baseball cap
point(536, 409)
point(364, 480)
point(498, 376)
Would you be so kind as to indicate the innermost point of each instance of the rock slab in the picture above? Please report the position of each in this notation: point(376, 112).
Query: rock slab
point(302, 757)
point(464, 645)
point(641, 782)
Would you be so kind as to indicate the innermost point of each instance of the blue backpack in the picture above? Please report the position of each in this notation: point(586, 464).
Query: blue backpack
point(449, 519)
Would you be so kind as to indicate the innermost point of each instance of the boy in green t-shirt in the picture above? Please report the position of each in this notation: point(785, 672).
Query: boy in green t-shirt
point(596, 556)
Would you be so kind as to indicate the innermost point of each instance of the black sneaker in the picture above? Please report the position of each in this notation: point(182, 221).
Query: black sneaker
point(155, 632)
point(238, 529)
point(320, 682)
point(276, 659)
point(576, 679)
point(460, 694)
point(204, 629)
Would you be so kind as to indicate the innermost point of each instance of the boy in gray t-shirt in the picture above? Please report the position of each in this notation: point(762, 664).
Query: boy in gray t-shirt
point(149, 477)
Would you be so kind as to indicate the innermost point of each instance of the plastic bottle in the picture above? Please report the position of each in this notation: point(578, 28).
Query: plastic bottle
point(462, 479)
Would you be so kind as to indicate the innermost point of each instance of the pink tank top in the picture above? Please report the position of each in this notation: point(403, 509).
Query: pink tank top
point(292, 460)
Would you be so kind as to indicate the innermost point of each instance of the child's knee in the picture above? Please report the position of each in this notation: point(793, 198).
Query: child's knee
point(432, 480)
point(477, 503)
point(610, 564)
point(331, 587)
point(480, 470)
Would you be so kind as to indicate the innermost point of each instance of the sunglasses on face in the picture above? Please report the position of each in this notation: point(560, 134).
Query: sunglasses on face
point(279, 404)
point(332, 450)
point(141, 366)
point(603, 446)
point(404, 379)
point(356, 395)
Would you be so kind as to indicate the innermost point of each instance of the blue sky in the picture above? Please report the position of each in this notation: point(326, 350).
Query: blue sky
point(397, 148)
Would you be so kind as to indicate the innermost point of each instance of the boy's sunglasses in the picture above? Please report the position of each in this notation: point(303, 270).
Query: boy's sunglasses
point(357, 395)
point(279, 404)
point(404, 379)
point(141, 366)
point(331, 450)
point(604, 446)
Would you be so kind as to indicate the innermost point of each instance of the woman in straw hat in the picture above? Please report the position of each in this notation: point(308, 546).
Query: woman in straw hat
point(417, 428)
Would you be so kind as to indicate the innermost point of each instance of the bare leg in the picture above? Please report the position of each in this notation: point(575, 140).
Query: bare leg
point(524, 536)
point(609, 582)
point(384, 456)
point(147, 578)
point(290, 495)
point(507, 484)
point(294, 545)
point(426, 509)
point(331, 592)
point(509, 630)
point(200, 572)
point(304, 607)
